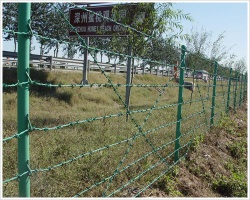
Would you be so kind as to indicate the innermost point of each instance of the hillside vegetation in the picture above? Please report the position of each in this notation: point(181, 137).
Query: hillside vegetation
point(216, 165)
point(83, 145)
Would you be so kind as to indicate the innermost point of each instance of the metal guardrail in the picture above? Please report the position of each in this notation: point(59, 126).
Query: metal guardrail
point(10, 59)
point(49, 62)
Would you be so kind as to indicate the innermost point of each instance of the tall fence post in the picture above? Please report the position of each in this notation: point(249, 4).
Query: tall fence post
point(23, 98)
point(128, 79)
point(228, 92)
point(235, 92)
point(245, 86)
point(241, 82)
point(180, 101)
point(214, 94)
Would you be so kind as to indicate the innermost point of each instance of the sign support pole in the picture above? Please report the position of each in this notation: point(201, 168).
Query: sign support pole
point(85, 63)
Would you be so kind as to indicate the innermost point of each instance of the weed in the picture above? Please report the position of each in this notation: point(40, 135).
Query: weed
point(227, 124)
point(229, 166)
point(238, 149)
point(233, 186)
point(197, 140)
point(169, 184)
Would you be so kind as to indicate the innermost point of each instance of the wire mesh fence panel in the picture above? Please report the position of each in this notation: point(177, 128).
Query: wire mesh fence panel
point(87, 140)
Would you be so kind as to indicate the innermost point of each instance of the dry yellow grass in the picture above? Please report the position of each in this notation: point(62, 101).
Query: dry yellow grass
point(58, 106)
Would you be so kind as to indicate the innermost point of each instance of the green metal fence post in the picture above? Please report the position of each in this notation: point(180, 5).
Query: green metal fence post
point(180, 101)
point(245, 86)
point(23, 97)
point(241, 82)
point(214, 94)
point(228, 92)
point(235, 92)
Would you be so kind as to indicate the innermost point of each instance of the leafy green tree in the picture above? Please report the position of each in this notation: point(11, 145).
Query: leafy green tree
point(10, 11)
point(50, 22)
point(99, 43)
point(46, 20)
point(119, 46)
point(161, 50)
point(59, 26)
point(159, 20)
point(10, 22)
point(41, 23)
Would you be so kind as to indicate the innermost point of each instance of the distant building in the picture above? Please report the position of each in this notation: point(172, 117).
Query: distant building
point(201, 74)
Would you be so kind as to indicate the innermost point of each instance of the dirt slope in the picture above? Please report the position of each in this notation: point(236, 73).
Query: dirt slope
point(216, 165)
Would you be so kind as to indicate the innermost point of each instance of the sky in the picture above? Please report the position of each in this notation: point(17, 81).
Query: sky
point(216, 17)
point(230, 17)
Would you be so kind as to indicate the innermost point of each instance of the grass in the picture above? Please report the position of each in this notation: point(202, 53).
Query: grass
point(234, 185)
point(169, 184)
point(103, 141)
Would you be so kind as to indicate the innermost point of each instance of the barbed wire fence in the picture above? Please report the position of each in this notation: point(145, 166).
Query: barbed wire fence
point(147, 152)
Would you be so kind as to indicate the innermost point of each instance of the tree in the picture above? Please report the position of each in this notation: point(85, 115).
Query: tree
point(198, 61)
point(240, 66)
point(218, 51)
point(10, 11)
point(118, 45)
point(41, 23)
point(199, 41)
point(162, 51)
point(99, 43)
point(50, 20)
point(159, 20)
point(59, 26)
point(10, 21)
point(70, 49)
point(204, 51)
point(46, 21)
